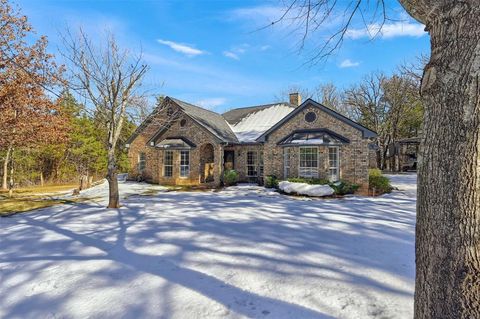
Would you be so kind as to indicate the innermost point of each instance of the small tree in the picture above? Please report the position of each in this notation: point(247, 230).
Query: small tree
point(108, 78)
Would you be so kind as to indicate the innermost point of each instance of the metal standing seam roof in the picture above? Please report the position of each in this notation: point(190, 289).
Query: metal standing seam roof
point(251, 122)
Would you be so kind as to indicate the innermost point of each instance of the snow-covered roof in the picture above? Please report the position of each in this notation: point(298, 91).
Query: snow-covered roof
point(249, 123)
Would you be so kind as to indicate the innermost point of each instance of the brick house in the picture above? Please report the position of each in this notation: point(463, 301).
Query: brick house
point(183, 144)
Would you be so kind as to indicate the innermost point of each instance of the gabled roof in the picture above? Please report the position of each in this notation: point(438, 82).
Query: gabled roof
point(244, 125)
point(250, 122)
point(212, 121)
point(175, 143)
point(366, 133)
point(314, 137)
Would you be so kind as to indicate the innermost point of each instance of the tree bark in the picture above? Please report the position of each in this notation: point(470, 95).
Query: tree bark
point(113, 198)
point(5, 168)
point(448, 211)
point(11, 183)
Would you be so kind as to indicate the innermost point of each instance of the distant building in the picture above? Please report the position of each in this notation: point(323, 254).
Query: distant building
point(402, 155)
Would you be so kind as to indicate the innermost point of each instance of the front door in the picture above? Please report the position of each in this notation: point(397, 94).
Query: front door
point(228, 160)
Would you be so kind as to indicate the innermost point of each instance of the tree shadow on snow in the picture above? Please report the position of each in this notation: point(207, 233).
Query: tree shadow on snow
point(233, 226)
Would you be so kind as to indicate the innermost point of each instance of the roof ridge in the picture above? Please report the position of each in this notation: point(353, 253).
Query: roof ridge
point(198, 107)
point(260, 105)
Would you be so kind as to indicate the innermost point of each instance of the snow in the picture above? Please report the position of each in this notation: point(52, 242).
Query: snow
point(244, 252)
point(256, 123)
point(305, 189)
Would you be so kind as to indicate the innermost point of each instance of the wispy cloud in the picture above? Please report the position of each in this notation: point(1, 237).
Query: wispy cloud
point(182, 48)
point(211, 103)
point(388, 30)
point(263, 14)
point(265, 47)
point(347, 63)
point(231, 55)
point(236, 52)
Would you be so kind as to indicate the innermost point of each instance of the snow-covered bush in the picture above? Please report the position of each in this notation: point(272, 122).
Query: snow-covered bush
point(230, 177)
point(378, 183)
point(311, 181)
point(305, 189)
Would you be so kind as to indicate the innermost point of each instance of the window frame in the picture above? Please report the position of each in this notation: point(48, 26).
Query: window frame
point(184, 166)
point(254, 165)
point(335, 166)
point(169, 166)
point(286, 162)
point(308, 171)
point(142, 162)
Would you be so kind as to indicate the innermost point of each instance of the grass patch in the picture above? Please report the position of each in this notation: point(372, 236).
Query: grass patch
point(41, 189)
point(10, 206)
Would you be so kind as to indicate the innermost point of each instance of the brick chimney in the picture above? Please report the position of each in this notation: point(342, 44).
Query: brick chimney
point(295, 99)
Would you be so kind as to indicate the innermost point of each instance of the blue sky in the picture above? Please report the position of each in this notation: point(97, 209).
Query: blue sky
point(211, 52)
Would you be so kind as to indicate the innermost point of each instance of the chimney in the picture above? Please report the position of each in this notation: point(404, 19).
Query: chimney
point(295, 99)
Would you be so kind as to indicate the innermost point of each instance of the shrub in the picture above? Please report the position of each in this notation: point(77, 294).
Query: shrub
point(230, 177)
point(271, 181)
point(378, 183)
point(344, 187)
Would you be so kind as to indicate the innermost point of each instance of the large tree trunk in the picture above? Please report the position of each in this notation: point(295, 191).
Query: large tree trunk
point(448, 212)
point(113, 198)
point(5, 168)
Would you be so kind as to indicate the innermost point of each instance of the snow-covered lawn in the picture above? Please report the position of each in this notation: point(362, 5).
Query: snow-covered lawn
point(241, 252)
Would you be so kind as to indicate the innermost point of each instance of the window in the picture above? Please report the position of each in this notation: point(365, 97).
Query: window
point(308, 162)
point(142, 161)
point(333, 166)
point(251, 163)
point(183, 122)
point(168, 164)
point(310, 117)
point(260, 163)
point(184, 163)
point(286, 162)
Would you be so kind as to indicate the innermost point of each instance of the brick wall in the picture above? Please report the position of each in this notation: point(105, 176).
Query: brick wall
point(155, 156)
point(353, 156)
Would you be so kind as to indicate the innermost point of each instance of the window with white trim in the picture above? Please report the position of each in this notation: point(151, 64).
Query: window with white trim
point(333, 164)
point(260, 164)
point(184, 163)
point(142, 162)
point(308, 162)
point(251, 163)
point(286, 162)
point(168, 164)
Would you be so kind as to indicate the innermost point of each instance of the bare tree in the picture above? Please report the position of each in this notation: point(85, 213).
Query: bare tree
point(448, 208)
point(109, 78)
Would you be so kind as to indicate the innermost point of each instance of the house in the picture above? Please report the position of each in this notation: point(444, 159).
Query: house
point(183, 144)
point(402, 155)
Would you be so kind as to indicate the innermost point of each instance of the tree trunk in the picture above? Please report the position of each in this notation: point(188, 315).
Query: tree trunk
point(5, 168)
point(11, 183)
point(113, 198)
point(448, 212)
point(42, 182)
